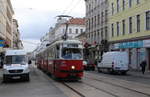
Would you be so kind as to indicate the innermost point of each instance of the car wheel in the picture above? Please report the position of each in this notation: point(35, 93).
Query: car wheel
point(5, 78)
point(93, 68)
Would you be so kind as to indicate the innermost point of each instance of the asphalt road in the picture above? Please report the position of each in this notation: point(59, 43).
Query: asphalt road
point(93, 84)
point(129, 77)
point(39, 86)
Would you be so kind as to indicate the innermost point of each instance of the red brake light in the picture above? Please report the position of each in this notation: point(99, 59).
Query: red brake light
point(112, 64)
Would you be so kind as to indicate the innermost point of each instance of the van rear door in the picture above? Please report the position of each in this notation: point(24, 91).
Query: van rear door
point(121, 62)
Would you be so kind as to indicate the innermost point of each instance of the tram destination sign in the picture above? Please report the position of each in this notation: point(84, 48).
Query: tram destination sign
point(73, 45)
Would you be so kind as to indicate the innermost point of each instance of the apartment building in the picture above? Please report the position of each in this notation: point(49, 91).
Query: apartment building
point(17, 43)
point(76, 26)
point(6, 22)
point(129, 25)
point(96, 27)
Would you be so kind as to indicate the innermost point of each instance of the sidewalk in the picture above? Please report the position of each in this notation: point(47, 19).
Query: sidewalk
point(139, 74)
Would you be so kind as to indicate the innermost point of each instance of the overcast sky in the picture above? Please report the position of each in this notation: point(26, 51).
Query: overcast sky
point(35, 17)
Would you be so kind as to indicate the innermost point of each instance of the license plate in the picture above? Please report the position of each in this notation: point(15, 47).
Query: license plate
point(72, 74)
point(16, 77)
point(117, 68)
point(15, 64)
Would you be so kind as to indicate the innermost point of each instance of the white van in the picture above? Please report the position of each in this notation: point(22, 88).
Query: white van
point(15, 65)
point(115, 61)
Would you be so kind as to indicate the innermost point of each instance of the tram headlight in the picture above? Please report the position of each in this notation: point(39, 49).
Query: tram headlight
point(73, 67)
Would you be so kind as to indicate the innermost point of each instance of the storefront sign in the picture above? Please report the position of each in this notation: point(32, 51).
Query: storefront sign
point(134, 44)
point(1, 43)
point(146, 43)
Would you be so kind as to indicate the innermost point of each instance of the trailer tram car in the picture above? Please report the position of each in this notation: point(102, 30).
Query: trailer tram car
point(62, 59)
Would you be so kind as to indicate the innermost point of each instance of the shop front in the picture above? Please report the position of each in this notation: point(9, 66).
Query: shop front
point(137, 51)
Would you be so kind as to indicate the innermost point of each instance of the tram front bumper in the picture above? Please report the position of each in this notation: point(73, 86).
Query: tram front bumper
point(71, 71)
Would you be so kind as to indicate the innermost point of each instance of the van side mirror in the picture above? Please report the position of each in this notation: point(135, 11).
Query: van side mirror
point(29, 62)
point(99, 61)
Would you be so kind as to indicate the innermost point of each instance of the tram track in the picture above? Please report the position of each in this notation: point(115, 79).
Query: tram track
point(101, 90)
point(82, 95)
point(105, 82)
point(74, 90)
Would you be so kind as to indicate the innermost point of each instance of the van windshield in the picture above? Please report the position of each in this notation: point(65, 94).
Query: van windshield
point(15, 59)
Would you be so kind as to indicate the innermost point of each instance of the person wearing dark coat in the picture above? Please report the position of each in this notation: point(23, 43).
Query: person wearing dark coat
point(143, 66)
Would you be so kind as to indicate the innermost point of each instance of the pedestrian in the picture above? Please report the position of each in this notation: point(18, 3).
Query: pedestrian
point(143, 66)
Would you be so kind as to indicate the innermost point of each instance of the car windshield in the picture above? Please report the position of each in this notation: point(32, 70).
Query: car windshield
point(71, 53)
point(16, 59)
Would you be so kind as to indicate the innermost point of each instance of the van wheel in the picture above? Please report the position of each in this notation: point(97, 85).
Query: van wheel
point(27, 77)
point(124, 73)
point(5, 78)
point(99, 70)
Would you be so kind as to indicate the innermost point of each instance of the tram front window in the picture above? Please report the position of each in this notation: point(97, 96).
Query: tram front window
point(70, 53)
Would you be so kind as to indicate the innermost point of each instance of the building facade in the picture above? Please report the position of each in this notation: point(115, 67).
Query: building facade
point(129, 26)
point(96, 26)
point(76, 26)
point(6, 22)
point(17, 43)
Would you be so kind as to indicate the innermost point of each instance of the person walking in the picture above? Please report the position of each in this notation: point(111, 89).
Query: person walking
point(143, 66)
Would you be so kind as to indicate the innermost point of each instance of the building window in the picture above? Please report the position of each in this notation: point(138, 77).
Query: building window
point(92, 22)
point(112, 7)
point(130, 3)
point(117, 5)
point(148, 20)
point(130, 25)
point(81, 30)
point(95, 37)
point(102, 35)
point(76, 31)
point(123, 27)
point(138, 1)
point(63, 30)
point(106, 16)
point(112, 30)
point(123, 5)
point(102, 15)
point(106, 31)
point(138, 23)
point(95, 21)
point(117, 28)
point(98, 19)
point(89, 24)
point(98, 36)
point(70, 31)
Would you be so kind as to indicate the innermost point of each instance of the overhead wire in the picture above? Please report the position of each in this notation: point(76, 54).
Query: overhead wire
point(72, 1)
point(74, 6)
point(30, 42)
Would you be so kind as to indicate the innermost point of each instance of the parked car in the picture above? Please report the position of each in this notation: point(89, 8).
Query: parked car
point(114, 62)
point(88, 66)
point(15, 65)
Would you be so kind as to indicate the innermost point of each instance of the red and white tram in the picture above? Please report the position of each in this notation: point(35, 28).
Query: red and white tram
point(63, 59)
